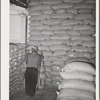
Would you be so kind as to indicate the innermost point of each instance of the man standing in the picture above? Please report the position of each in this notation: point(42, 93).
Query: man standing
point(33, 61)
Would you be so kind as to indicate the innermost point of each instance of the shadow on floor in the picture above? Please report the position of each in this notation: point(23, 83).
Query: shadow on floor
point(42, 94)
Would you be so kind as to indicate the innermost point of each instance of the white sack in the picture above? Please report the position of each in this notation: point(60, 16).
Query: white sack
point(59, 47)
point(59, 53)
point(76, 93)
point(62, 5)
point(73, 1)
point(79, 66)
point(76, 75)
point(60, 37)
point(77, 84)
point(62, 16)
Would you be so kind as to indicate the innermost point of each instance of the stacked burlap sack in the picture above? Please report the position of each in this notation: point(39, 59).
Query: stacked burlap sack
point(77, 81)
point(62, 29)
point(17, 57)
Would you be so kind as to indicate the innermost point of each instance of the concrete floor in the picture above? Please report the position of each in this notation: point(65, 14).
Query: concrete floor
point(41, 94)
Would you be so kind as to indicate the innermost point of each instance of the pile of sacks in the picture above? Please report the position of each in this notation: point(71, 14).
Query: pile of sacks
point(17, 57)
point(62, 29)
point(77, 81)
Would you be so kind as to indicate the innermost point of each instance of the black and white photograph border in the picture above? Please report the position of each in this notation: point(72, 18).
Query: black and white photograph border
point(5, 38)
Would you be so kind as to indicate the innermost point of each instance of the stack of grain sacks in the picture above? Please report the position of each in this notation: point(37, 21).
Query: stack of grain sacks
point(62, 29)
point(77, 81)
point(17, 58)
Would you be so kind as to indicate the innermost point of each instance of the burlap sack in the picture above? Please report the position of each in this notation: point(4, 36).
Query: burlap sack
point(62, 5)
point(48, 11)
point(77, 84)
point(50, 2)
point(34, 43)
point(71, 32)
point(51, 22)
point(83, 5)
point(73, 1)
point(87, 38)
point(84, 16)
point(76, 75)
point(47, 53)
point(47, 32)
point(35, 23)
point(38, 37)
point(62, 10)
point(37, 12)
point(39, 7)
point(60, 37)
point(71, 10)
point(56, 68)
point(90, 21)
point(59, 63)
point(59, 47)
point(34, 32)
point(83, 27)
point(85, 11)
point(39, 17)
point(89, 44)
point(71, 22)
point(59, 53)
point(76, 93)
point(80, 66)
point(62, 16)
point(51, 42)
point(39, 27)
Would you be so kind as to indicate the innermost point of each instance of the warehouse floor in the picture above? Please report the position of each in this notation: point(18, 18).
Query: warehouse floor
point(42, 94)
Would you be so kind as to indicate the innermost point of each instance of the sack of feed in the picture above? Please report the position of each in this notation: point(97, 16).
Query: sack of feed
point(71, 32)
point(76, 93)
point(62, 6)
point(48, 11)
point(68, 75)
point(38, 37)
point(51, 21)
point(34, 43)
point(61, 27)
point(47, 32)
point(77, 84)
point(89, 43)
point(37, 12)
point(59, 53)
point(87, 38)
point(34, 32)
point(51, 42)
point(47, 53)
point(84, 16)
point(71, 10)
point(59, 63)
point(60, 37)
point(38, 7)
point(39, 27)
point(56, 68)
point(83, 5)
point(73, 1)
point(83, 27)
point(39, 17)
point(62, 15)
point(71, 22)
point(50, 2)
point(80, 66)
point(33, 23)
point(59, 47)
point(90, 21)
point(62, 10)
point(60, 32)
point(85, 11)
point(86, 32)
